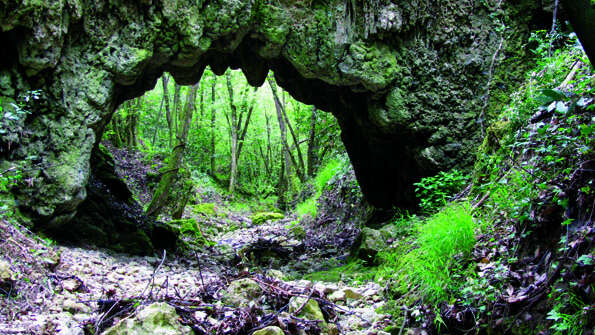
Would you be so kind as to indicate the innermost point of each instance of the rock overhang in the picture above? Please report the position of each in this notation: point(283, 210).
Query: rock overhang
point(405, 80)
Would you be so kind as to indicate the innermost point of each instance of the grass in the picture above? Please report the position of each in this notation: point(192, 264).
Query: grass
point(308, 207)
point(433, 263)
point(354, 271)
point(323, 177)
point(326, 174)
point(428, 259)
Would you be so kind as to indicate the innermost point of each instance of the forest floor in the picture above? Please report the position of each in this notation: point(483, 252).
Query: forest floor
point(89, 290)
point(66, 289)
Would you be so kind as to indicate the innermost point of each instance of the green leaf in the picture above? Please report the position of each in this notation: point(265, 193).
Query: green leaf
point(586, 260)
point(554, 94)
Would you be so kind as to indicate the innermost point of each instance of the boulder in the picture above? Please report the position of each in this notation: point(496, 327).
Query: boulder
point(7, 278)
point(241, 292)
point(310, 311)
point(260, 218)
point(276, 274)
point(372, 241)
point(157, 318)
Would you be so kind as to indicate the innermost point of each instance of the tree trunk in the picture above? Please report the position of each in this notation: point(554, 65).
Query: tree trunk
point(175, 159)
point(296, 142)
point(176, 111)
point(282, 185)
point(312, 146)
point(168, 115)
point(282, 128)
point(213, 125)
point(156, 122)
point(233, 135)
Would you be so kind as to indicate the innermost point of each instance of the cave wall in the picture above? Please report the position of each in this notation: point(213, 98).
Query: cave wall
point(406, 79)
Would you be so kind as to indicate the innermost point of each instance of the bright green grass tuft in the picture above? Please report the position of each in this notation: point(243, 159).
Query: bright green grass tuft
point(326, 174)
point(434, 265)
point(307, 207)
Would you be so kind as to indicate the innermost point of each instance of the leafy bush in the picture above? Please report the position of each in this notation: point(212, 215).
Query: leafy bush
point(9, 178)
point(433, 192)
point(323, 177)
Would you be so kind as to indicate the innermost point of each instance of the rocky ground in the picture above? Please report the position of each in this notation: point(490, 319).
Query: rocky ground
point(77, 290)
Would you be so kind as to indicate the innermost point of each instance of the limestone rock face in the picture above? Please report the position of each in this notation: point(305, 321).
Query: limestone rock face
point(405, 79)
point(157, 318)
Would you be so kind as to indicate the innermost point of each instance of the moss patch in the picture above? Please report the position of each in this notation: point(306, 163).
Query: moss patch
point(260, 218)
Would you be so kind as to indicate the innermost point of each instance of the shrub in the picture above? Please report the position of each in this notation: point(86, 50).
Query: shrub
point(323, 177)
point(433, 192)
point(326, 174)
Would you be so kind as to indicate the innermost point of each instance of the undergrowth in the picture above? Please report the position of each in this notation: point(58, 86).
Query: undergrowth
point(434, 262)
point(321, 180)
point(524, 240)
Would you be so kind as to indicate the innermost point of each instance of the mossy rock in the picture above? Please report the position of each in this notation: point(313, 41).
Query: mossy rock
point(185, 226)
point(298, 232)
point(270, 330)
point(310, 311)
point(135, 243)
point(260, 218)
point(191, 228)
point(240, 292)
point(157, 318)
point(372, 242)
point(207, 209)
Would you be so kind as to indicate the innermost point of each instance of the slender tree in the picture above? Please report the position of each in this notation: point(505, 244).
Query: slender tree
point(312, 146)
point(238, 122)
point(282, 128)
point(213, 119)
point(174, 160)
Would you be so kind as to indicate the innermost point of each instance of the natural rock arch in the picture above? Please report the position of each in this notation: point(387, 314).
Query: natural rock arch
point(405, 79)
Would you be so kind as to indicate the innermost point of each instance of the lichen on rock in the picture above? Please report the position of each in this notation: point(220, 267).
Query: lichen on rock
point(156, 318)
point(395, 75)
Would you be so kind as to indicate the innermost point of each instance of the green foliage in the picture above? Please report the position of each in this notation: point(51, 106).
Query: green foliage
point(435, 265)
point(260, 218)
point(433, 192)
point(326, 174)
point(321, 180)
point(308, 207)
point(9, 178)
point(570, 315)
point(14, 114)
